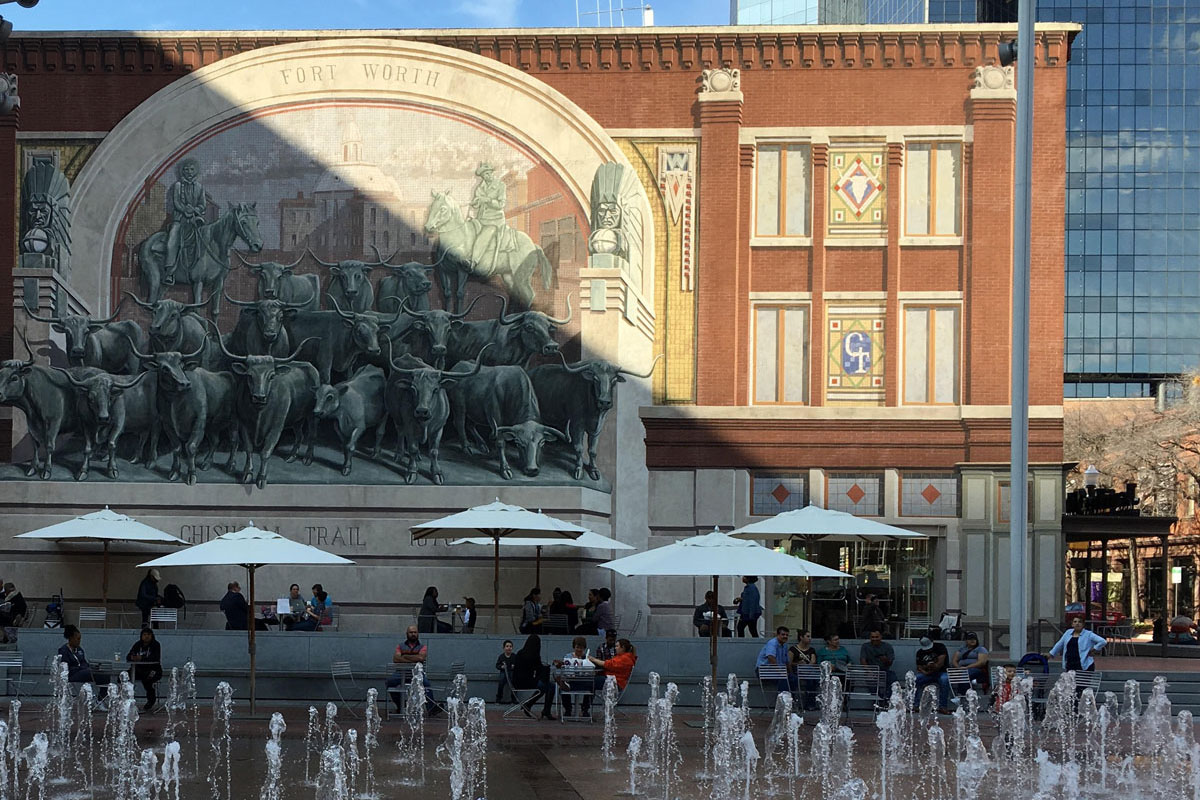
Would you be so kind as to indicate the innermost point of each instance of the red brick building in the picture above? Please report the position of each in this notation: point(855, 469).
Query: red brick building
point(826, 234)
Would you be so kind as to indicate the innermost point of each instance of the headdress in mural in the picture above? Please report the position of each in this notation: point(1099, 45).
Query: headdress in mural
point(45, 217)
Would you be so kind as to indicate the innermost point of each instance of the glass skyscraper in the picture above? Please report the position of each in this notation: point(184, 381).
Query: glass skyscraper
point(1133, 182)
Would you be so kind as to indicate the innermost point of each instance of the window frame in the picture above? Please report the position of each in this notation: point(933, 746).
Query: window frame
point(904, 473)
point(841, 474)
point(931, 209)
point(802, 474)
point(930, 377)
point(781, 236)
point(779, 306)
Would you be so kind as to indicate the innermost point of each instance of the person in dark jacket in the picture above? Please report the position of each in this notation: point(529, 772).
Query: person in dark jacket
point(78, 668)
point(505, 663)
point(14, 609)
point(427, 621)
point(235, 608)
point(146, 657)
point(530, 673)
point(749, 607)
point(565, 604)
point(148, 596)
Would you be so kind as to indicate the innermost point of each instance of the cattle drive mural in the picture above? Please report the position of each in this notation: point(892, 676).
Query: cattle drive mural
point(336, 359)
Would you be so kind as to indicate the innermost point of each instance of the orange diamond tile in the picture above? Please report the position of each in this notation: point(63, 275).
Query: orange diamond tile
point(855, 493)
point(780, 493)
point(931, 494)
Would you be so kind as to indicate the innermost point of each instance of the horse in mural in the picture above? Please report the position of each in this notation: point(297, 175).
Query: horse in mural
point(456, 239)
point(207, 271)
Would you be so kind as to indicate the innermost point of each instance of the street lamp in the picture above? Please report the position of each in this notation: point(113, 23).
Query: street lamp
point(1091, 477)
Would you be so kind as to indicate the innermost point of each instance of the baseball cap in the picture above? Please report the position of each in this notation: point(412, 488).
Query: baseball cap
point(926, 642)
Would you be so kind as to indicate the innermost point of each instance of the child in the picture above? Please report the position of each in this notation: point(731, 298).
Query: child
point(504, 664)
point(1007, 688)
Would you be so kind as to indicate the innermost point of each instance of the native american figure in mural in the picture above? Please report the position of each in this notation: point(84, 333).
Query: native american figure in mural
point(616, 238)
point(207, 268)
point(45, 217)
point(483, 244)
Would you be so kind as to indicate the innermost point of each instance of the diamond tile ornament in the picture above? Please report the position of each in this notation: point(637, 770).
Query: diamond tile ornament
point(855, 493)
point(931, 494)
point(780, 493)
point(858, 187)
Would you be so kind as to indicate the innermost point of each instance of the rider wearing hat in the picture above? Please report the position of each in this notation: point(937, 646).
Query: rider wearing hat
point(489, 201)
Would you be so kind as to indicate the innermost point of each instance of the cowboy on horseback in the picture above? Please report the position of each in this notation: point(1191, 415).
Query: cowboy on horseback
point(186, 203)
point(494, 237)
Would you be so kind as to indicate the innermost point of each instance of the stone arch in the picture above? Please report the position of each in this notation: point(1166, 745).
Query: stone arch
point(528, 111)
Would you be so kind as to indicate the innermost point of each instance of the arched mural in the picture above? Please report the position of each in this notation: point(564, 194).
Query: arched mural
point(360, 265)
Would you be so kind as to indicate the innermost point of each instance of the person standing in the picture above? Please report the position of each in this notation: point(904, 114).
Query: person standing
point(504, 665)
point(427, 620)
point(749, 607)
point(148, 596)
point(1076, 647)
point(604, 613)
point(235, 608)
point(146, 657)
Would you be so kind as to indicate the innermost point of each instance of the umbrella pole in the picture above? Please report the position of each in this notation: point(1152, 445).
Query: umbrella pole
point(104, 579)
point(537, 578)
point(496, 586)
point(713, 632)
point(251, 624)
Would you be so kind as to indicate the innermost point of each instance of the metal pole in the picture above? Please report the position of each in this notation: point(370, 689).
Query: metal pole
point(1022, 221)
point(251, 625)
point(1166, 620)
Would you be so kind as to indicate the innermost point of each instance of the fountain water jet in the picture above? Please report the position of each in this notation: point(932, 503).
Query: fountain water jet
point(220, 740)
point(272, 788)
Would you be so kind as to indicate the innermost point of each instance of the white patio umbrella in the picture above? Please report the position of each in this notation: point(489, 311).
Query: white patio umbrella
point(812, 523)
point(251, 548)
point(497, 521)
point(719, 555)
point(589, 540)
point(104, 526)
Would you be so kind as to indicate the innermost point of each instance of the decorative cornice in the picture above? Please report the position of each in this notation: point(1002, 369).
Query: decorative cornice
point(539, 51)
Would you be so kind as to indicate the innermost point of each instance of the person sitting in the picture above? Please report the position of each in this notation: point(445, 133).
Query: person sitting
point(749, 607)
point(620, 666)
point(875, 652)
point(469, 616)
point(1182, 630)
point(1007, 688)
point(530, 673)
point(78, 668)
point(314, 611)
point(148, 596)
point(587, 614)
point(973, 657)
point(146, 658)
point(504, 665)
point(576, 661)
point(775, 653)
point(564, 604)
point(234, 606)
point(703, 615)
point(931, 670)
point(296, 604)
point(427, 620)
point(14, 609)
point(604, 613)
point(411, 651)
point(607, 648)
point(532, 617)
point(802, 654)
point(833, 652)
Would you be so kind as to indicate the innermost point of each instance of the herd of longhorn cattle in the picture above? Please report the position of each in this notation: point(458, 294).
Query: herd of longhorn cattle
point(375, 359)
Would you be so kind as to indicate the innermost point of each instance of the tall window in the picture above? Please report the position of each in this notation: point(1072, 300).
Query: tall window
point(781, 355)
point(931, 354)
point(933, 189)
point(782, 191)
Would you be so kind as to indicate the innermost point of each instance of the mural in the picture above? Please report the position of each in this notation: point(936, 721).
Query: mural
point(321, 228)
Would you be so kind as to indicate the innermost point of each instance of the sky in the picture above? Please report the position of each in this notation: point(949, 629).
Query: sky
point(304, 14)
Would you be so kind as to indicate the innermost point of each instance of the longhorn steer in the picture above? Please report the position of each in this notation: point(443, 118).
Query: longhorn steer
point(577, 398)
point(194, 405)
point(430, 331)
point(175, 327)
point(109, 407)
point(272, 394)
point(48, 400)
point(407, 282)
point(341, 337)
point(501, 401)
point(354, 405)
point(417, 403)
point(103, 344)
point(259, 330)
point(277, 282)
point(351, 286)
point(515, 338)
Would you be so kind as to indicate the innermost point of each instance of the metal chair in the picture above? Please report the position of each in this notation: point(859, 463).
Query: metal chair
point(862, 683)
point(960, 683)
point(341, 673)
point(579, 684)
point(1089, 680)
point(768, 677)
point(166, 616)
point(1040, 693)
point(398, 694)
point(1119, 636)
point(98, 615)
point(522, 696)
point(918, 624)
point(456, 668)
point(11, 660)
point(808, 679)
point(556, 624)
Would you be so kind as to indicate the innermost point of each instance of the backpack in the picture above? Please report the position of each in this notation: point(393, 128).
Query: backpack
point(173, 597)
